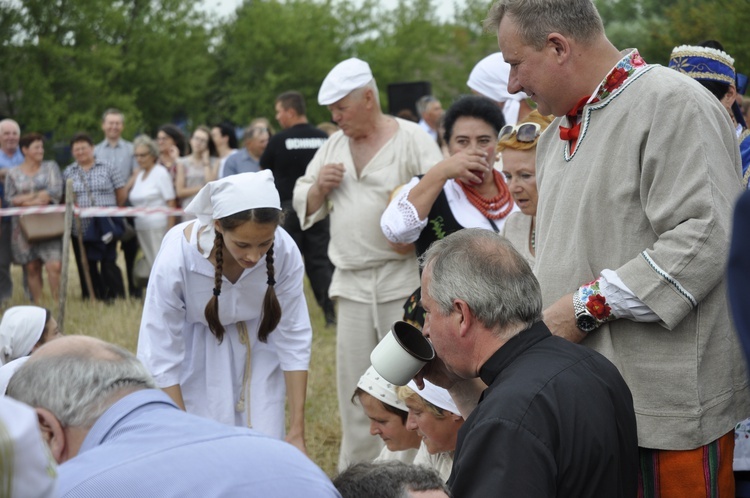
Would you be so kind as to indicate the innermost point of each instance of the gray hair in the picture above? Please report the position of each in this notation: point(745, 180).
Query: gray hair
point(113, 110)
point(423, 102)
point(253, 131)
point(77, 387)
point(10, 122)
point(389, 479)
point(146, 141)
point(482, 268)
point(535, 19)
point(370, 85)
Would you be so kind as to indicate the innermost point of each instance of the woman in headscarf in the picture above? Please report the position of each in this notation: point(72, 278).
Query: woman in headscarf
point(225, 329)
point(23, 329)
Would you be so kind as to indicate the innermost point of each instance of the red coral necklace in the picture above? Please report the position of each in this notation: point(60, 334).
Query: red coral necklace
point(486, 206)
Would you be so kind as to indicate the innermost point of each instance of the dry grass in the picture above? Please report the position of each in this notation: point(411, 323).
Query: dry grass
point(118, 323)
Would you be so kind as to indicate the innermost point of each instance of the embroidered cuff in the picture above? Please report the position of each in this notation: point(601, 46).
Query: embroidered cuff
point(596, 302)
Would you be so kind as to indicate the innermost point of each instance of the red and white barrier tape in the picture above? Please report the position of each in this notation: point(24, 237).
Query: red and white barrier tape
point(89, 212)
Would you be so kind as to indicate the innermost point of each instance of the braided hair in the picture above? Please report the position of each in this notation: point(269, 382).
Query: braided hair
point(271, 314)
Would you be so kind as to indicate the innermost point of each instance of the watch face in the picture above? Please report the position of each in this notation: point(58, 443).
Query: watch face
point(586, 323)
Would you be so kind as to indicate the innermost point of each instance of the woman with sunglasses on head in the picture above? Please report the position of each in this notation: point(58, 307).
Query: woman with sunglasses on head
point(225, 329)
point(517, 146)
point(462, 191)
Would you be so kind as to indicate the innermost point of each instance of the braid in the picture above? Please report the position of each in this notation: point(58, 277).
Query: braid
point(212, 308)
point(271, 306)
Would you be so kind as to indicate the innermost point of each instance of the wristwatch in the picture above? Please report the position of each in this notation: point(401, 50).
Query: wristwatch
point(585, 321)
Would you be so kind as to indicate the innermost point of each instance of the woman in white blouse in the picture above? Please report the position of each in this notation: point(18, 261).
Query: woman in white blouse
point(225, 329)
point(153, 187)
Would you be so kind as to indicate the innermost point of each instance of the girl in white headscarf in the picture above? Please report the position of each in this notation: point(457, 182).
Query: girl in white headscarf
point(23, 329)
point(225, 329)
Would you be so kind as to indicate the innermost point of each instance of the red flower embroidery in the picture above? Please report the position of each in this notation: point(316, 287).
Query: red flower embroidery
point(597, 306)
point(637, 60)
point(615, 79)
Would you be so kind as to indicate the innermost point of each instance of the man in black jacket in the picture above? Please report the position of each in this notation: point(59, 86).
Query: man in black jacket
point(556, 418)
point(287, 156)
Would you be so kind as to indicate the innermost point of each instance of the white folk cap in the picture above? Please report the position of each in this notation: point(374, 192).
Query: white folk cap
point(343, 79)
point(490, 78)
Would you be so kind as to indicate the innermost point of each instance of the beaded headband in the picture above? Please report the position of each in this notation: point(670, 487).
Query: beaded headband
point(703, 63)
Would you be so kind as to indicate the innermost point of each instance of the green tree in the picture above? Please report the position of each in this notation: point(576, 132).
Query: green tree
point(274, 46)
point(64, 61)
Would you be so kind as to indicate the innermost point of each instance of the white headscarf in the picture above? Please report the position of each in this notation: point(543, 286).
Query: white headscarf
point(436, 395)
point(20, 329)
point(379, 388)
point(228, 196)
point(32, 467)
point(490, 78)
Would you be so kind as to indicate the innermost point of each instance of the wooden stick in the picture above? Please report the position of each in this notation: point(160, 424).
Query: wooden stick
point(65, 255)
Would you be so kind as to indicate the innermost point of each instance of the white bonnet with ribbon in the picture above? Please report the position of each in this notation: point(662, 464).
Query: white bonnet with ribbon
point(436, 395)
point(379, 388)
point(20, 329)
point(228, 196)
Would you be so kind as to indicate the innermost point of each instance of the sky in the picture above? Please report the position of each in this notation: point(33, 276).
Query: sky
point(225, 7)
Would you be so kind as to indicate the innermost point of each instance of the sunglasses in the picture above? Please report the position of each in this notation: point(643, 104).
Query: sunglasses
point(525, 132)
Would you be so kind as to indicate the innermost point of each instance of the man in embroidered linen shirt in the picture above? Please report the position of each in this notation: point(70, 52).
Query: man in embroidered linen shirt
point(114, 435)
point(635, 199)
point(352, 177)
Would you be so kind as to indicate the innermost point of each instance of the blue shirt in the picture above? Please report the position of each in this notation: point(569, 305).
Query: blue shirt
point(241, 162)
point(8, 162)
point(143, 445)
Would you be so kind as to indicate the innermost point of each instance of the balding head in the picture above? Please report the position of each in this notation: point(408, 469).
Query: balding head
point(77, 378)
point(10, 133)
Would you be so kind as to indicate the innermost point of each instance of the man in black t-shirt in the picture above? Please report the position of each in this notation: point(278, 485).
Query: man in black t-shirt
point(287, 155)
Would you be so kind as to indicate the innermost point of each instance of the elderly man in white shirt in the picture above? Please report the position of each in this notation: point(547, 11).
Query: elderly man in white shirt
point(352, 177)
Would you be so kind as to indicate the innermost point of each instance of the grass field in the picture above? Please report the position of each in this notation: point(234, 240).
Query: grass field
point(119, 323)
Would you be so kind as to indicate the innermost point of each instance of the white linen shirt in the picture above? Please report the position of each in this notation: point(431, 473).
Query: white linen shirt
point(367, 268)
point(177, 347)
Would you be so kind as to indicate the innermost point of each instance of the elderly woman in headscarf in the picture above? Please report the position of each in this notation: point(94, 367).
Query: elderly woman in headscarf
point(23, 329)
point(225, 329)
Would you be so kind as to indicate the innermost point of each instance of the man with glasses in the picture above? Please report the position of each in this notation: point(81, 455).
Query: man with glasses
point(114, 434)
point(637, 178)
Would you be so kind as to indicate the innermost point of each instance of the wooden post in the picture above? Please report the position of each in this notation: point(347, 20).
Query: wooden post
point(65, 254)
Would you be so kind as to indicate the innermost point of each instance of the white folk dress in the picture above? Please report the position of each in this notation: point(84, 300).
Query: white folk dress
point(177, 346)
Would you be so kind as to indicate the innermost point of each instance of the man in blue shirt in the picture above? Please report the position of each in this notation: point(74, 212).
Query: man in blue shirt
point(247, 160)
point(10, 156)
point(114, 435)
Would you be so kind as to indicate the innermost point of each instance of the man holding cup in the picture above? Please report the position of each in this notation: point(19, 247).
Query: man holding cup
point(556, 418)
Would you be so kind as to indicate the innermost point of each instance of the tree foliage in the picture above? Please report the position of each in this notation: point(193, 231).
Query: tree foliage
point(63, 62)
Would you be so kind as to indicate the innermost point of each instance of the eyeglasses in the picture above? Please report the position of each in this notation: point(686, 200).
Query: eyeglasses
point(525, 132)
point(144, 154)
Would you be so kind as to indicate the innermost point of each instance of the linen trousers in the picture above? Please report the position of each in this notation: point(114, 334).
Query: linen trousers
point(356, 337)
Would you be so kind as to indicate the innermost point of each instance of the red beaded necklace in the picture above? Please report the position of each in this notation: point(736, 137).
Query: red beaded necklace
point(485, 206)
